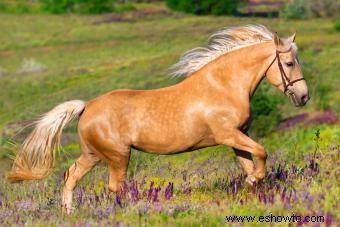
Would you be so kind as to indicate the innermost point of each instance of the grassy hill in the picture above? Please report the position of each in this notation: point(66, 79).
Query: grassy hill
point(45, 60)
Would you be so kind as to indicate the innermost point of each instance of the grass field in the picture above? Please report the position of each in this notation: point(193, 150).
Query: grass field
point(45, 60)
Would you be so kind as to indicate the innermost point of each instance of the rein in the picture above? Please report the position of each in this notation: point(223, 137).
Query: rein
point(285, 80)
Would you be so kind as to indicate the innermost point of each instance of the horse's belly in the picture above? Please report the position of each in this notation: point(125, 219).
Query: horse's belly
point(174, 144)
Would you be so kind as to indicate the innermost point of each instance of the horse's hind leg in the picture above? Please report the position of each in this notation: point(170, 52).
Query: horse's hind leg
point(116, 155)
point(117, 170)
point(84, 164)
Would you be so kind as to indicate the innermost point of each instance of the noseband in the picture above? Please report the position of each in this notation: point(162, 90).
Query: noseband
point(285, 80)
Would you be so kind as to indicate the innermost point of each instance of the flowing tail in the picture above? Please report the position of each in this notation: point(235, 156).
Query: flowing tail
point(35, 159)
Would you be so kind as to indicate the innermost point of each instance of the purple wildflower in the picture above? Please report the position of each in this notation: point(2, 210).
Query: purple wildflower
point(278, 187)
point(283, 194)
point(287, 202)
point(150, 190)
point(187, 191)
point(134, 192)
point(272, 198)
point(314, 166)
point(158, 208)
point(169, 190)
point(155, 196)
point(118, 200)
point(23, 205)
point(329, 219)
point(96, 198)
point(264, 198)
point(81, 196)
point(102, 194)
point(291, 121)
point(234, 188)
point(119, 223)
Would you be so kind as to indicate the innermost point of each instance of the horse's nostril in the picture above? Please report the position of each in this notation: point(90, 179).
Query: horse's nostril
point(304, 99)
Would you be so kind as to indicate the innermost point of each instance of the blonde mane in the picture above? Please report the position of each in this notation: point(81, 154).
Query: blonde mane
point(221, 42)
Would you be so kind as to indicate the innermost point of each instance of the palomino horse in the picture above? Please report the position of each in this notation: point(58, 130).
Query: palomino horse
point(209, 107)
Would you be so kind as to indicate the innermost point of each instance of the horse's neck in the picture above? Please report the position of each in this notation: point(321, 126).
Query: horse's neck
point(241, 69)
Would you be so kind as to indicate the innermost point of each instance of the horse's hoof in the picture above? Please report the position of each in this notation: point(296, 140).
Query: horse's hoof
point(67, 209)
point(259, 176)
point(251, 180)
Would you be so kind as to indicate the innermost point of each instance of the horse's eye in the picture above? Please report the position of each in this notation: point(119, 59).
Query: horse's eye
point(290, 64)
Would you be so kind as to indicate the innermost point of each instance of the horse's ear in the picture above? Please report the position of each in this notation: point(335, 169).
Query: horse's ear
point(292, 38)
point(278, 42)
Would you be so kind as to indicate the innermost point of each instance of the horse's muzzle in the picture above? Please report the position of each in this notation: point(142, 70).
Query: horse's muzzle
point(298, 100)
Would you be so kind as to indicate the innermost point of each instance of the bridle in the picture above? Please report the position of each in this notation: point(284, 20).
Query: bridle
point(285, 80)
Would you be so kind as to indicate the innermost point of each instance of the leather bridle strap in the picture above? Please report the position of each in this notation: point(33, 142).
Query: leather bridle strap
point(285, 80)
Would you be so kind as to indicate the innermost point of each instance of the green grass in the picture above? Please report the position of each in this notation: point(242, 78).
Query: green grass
point(83, 60)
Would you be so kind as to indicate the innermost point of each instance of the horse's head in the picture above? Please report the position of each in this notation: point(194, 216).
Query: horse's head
point(284, 72)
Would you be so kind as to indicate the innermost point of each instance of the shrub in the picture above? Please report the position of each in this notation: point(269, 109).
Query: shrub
point(120, 8)
point(337, 25)
point(265, 111)
point(297, 9)
point(201, 7)
point(93, 6)
point(224, 7)
point(302, 9)
point(62, 6)
point(327, 8)
point(78, 6)
point(19, 6)
point(321, 95)
point(57, 6)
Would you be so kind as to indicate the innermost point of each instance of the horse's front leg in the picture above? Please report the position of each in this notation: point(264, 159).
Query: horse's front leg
point(246, 162)
point(244, 157)
point(241, 142)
